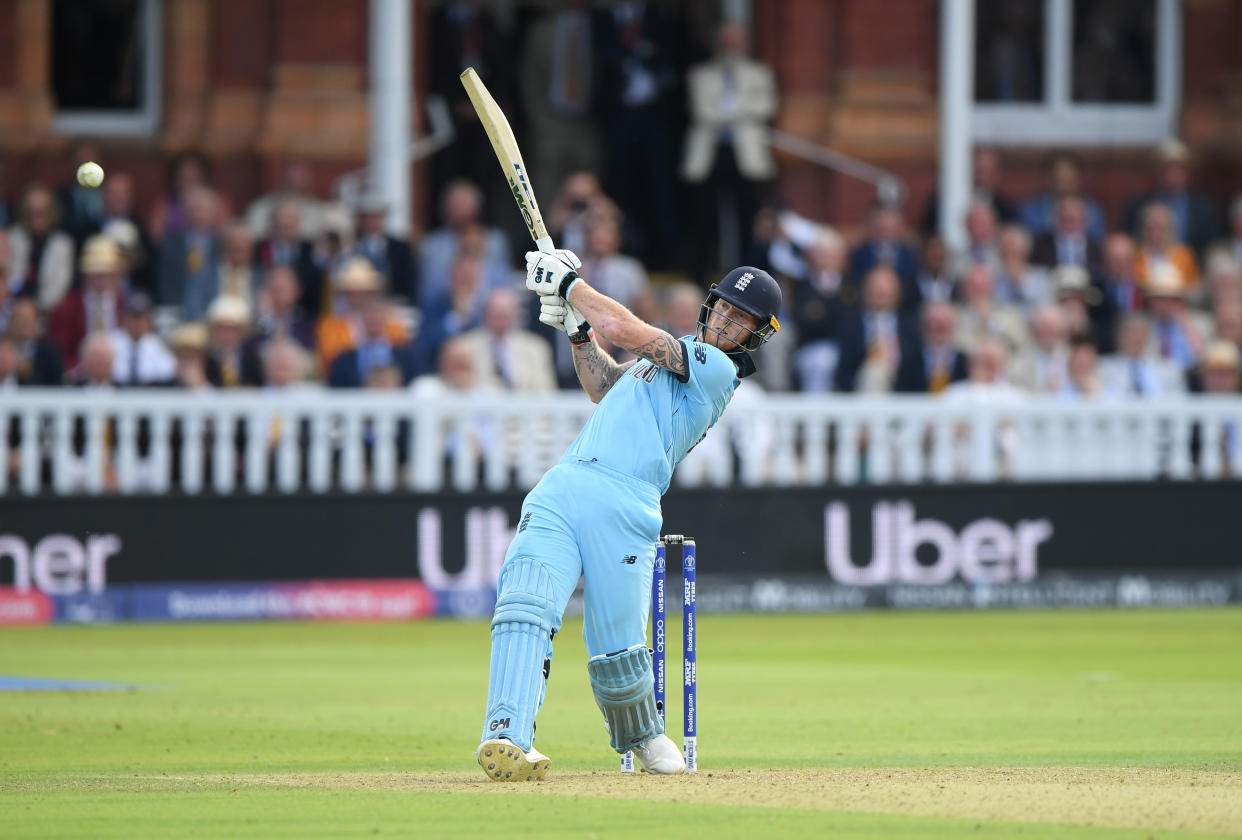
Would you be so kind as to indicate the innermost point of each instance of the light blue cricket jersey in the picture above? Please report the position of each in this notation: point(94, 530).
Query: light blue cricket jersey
point(650, 419)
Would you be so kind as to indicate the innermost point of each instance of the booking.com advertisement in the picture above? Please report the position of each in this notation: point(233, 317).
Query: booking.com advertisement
point(398, 557)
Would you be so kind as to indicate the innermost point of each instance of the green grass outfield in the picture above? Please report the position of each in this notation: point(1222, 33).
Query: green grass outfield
point(1070, 724)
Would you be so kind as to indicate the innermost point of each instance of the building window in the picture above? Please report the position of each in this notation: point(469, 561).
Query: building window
point(1077, 72)
point(106, 66)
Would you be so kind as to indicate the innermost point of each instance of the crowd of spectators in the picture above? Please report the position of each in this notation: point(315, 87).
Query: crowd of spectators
point(1047, 296)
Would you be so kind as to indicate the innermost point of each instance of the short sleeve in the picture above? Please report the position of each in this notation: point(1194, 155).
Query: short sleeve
point(710, 372)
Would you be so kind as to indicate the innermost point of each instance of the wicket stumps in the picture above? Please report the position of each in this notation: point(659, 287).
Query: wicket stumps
point(689, 646)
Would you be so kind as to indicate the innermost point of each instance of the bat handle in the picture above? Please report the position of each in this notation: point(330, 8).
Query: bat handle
point(544, 244)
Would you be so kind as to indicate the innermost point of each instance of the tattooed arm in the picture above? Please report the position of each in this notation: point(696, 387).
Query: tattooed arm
point(624, 329)
point(596, 369)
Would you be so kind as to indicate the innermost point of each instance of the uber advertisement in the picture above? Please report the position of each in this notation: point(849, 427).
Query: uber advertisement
point(405, 556)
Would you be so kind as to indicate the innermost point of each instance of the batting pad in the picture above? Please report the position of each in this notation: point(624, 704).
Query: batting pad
point(521, 627)
point(624, 690)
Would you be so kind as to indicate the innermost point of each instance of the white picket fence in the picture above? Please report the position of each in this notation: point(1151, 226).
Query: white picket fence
point(154, 441)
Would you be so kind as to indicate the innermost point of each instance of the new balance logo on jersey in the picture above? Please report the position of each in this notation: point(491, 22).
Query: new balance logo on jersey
point(629, 559)
point(743, 281)
point(498, 723)
point(700, 354)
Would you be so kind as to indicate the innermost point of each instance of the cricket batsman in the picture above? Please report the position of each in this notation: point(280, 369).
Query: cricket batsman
point(597, 512)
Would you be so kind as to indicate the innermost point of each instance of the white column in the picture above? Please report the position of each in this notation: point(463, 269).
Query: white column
point(391, 95)
point(957, 94)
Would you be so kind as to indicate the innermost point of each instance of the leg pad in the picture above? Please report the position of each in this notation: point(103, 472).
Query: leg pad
point(625, 692)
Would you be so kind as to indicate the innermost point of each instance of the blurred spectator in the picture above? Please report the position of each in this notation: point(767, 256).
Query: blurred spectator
point(1219, 371)
point(458, 309)
point(987, 177)
point(816, 309)
point(95, 306)
point(1233, 240)
point(286, 247)
point(375, 348)
point(579, 202)
point(1177, 338)
point(1069, 242)
point(188, 343)
point(38, 360)
point(558, 84)
point(456, 376)
point(636, 98)
point(6, 210)
point(1018, 282)
point(81, 208)
point(935, 281)
point(1194, 219)
point(1159, 247)
point(1078, 299)
point(140, 355)
point(1134, 370)
point(886, 246)
point(1061, 180)
point(462, 209)
point(6, 294)
point(98, 361)
point(231, 363)
point(620, 277)
point(982, 240)
point(8, 368)
point(239, 273)
point(979, 315)
point(190, 256)
point(1117, 279)
point(187, 173)
point(391, 255)
point(1222, 279)
point(940, 363)
point(1227, 323)
point(727, 156)
point(1044, 368)
point(463, 33)
point(314, 216)
point(985, 383)
point(41, 255)
point(876, 337)
point(506, 357)
point(764, 233)
point(1082, 382)
point(121, 222)
point(279, 316)
point(357, 283)
point(285, 363)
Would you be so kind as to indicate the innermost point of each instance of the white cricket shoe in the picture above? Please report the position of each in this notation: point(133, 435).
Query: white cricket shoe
point(504, 761)
point(661, 755)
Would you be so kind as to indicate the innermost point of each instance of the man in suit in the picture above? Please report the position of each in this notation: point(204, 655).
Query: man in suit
point(1133, 370)
point(1044, 368)
point(941, 363)
point(279, 315)
point(286, 247)
point(508, 358)
point(375, 349)
point(239, 272)
point(817, 306)
point(987, 181)
point(462, 234)
point(727, 155)
point(875, 337)
point(231, 363)
point(93, 307)
point(885, 245)
point(1069, 242)
point(140, 355)
point(38, 361)
point(120, 214)
point(357, 282)
point(1062, 179)
point(190, 259)
point(979, 316)
point(1195, 219)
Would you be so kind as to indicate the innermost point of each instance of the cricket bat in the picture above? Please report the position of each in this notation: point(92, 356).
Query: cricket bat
point(509, 155)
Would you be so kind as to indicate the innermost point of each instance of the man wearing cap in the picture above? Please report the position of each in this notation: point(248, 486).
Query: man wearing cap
point(1194, 215)
point(230, 363)
point(93, 307)
point(357, 282)
point(140, 355)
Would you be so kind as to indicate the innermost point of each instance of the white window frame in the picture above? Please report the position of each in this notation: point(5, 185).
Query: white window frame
point(142, 121)
point(1060, 121)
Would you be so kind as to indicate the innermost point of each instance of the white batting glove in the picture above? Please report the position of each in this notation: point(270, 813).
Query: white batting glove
point(557, 312)
point(552, 274)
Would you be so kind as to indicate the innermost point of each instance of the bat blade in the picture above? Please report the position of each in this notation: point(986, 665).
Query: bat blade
point(504, 144)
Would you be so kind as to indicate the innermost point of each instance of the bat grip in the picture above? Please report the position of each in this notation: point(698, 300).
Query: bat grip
point(544, 244)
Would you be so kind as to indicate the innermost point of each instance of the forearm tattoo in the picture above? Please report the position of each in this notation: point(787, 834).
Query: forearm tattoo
point(665, 351)
point(596, 370)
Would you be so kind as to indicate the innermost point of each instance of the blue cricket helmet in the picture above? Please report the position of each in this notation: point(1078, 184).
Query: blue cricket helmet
point(754, 291)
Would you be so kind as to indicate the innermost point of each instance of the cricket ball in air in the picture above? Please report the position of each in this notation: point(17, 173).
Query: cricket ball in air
point(90, 174)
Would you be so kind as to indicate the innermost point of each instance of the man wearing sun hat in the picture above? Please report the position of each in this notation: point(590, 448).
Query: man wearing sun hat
point(95, 306)
point(358, 283)
point(230, 362)
point(1175, 334)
